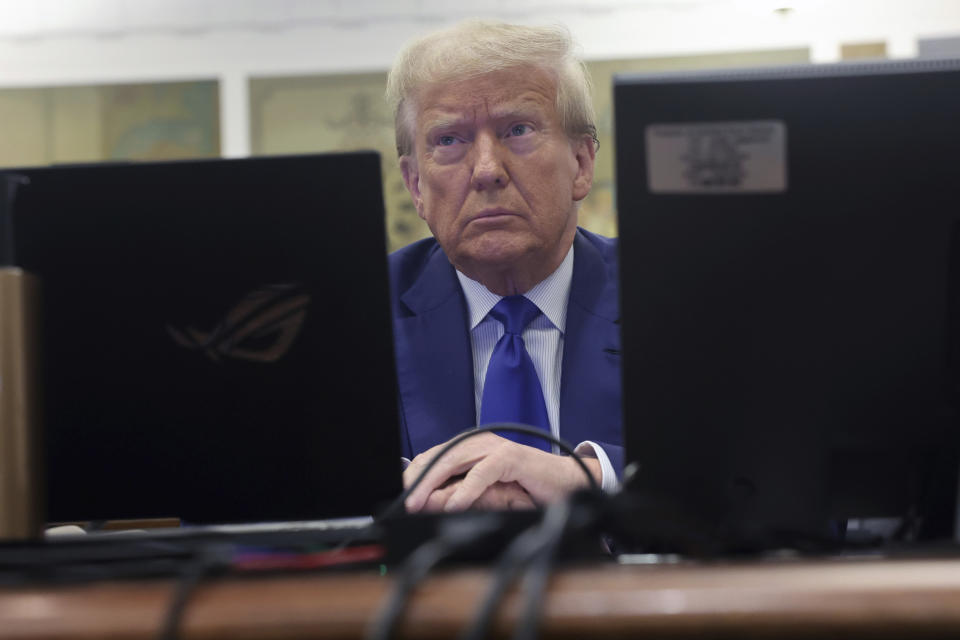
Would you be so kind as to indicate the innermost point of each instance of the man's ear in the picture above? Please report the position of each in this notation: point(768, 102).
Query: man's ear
point(411, 178)
point(585, 153)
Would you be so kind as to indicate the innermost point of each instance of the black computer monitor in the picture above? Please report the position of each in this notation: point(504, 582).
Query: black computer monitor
point(790, 286)
point(216, 337)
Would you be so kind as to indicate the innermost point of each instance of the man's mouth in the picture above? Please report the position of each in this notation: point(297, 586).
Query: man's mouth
point(492, 215)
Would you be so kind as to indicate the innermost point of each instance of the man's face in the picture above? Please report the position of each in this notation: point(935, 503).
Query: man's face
point(494, 174)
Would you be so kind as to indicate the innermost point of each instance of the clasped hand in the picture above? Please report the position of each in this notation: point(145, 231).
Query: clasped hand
point(490, 472)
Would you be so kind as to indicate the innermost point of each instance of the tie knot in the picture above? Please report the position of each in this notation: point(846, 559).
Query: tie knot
point(515, 313)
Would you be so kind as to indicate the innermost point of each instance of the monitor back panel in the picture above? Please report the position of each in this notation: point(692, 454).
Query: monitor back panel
point(216, 338)
point(788, 332)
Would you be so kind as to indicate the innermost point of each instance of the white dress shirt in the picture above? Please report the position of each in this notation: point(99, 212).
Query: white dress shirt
point(543, 338)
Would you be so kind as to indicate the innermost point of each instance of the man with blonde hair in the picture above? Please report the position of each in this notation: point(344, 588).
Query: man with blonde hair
point(509, 313)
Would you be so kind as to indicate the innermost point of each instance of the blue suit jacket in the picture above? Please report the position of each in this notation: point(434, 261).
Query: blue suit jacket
point(435, 363)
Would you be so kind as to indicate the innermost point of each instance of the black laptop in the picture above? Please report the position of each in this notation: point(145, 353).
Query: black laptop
point(216, 338)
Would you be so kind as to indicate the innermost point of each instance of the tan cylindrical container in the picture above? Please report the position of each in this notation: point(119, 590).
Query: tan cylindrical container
point(21, 490)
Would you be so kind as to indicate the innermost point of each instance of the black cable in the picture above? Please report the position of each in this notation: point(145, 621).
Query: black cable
point(457, 534)
point(525, 547)
point(535, 582)
point(454, 535)
point(508, 568)
point(210, 558)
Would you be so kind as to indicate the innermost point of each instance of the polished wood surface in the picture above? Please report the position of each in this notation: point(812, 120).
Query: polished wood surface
point(863, 598)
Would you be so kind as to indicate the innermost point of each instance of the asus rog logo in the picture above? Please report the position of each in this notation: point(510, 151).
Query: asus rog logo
point(260, 328)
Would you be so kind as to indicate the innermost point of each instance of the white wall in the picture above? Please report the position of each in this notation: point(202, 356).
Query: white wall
point(57, 42)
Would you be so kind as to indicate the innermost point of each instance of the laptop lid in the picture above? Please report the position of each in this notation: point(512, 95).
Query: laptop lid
point(217, 342)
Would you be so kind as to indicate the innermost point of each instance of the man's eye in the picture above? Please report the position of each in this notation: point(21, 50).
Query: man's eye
point(446, 141)
point(520, 129)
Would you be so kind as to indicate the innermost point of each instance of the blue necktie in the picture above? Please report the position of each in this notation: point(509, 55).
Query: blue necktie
point(511, 390)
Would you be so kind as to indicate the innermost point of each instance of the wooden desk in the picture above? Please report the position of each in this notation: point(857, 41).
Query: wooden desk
point(893, 599)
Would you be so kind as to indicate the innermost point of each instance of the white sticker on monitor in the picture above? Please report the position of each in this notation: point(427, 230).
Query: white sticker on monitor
point(717, 157)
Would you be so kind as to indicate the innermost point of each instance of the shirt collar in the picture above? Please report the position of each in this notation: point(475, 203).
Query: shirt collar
point(550, 295)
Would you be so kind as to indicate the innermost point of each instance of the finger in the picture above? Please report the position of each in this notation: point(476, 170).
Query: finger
point(521, 501)
point(457, 461)
point(485, 473)
point(438, 499)
point(432, 481)
point(504, 495)
point(410, 473)
point(418, 464)
point(518, 498)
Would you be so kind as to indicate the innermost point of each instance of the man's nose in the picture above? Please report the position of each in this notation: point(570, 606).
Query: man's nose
point(489, 171)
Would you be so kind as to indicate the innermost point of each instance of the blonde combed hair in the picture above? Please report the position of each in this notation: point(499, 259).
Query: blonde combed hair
point(475, 48)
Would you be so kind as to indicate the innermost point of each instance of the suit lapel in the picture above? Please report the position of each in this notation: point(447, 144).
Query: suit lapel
point(590, 385)
point(436, 374)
